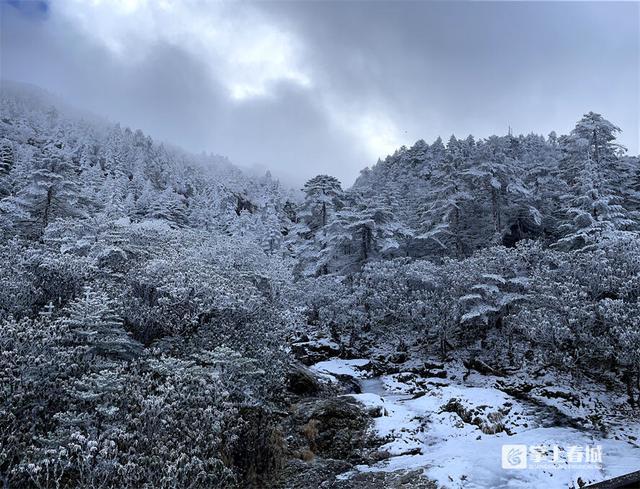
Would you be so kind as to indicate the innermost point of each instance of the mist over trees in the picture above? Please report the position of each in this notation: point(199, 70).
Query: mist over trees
point(150, 297)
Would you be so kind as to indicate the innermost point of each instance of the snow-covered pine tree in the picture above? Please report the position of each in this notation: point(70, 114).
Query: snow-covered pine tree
point(7, 156)
point(52, 191)
point(489, 296)
point(540, 208)
point(169, 206)
point(494, 177)
point(93, 324)
point(443, 219)
point(323, 198)
point(272, 237)
point(594, 211)
point(361, 231)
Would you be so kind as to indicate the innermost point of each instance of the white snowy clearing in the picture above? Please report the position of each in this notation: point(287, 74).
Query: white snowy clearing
point(458, 453)
point(352, 368)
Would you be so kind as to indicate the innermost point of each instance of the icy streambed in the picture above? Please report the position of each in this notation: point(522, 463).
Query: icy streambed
point(458, 454)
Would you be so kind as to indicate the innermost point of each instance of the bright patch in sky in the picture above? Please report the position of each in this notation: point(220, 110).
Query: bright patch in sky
point(373, 130)
point(379, 134)
point(242, 50)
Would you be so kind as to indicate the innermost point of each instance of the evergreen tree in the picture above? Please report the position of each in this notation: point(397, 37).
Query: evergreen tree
point(492, 174)
point(168, 206)
point(93, 324)
point(272, 237)
point(322, 198)
point(360, 232)
point(7, 157)
point(444, 220)
point(52, 191)
point(594, 211)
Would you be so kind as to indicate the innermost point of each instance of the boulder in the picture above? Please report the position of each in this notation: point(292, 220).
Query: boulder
point(559, 394)
point(401, 479)
point(377, 411)
point(439, 374)
point(381, 367)
point(349, 384)
point(482, 367)
point(318, 472)
point(490, 422)
point(301, 381)
point(432, 365)
point(334, 428)
point(310, 352)
point(517, 389)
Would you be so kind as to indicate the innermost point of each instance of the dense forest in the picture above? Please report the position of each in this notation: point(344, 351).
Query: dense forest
point(157, 306)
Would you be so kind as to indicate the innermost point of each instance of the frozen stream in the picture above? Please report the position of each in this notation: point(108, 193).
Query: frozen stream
point(458, 454)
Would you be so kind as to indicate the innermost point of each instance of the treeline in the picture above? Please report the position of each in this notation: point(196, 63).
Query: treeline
point(571, 192)
point(59, 169)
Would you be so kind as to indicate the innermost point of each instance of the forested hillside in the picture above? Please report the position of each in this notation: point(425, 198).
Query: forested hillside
point(155, 304)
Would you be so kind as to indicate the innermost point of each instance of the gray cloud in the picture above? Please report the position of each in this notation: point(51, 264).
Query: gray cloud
point(439, 68)
point(342, 82)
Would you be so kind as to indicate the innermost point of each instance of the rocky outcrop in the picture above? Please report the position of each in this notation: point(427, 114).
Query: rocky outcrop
point(258, 454)
point(301, 381)
point(482, 367)
point(348, 385)
point(326, 433)
point(560, 394)
point(310, 352)
point(489, 422)
point(334, 428)
point(322, 474)
point(319, 472)
point(414, 479)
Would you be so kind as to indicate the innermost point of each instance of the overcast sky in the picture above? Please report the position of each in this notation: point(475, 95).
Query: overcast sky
point(328, 87)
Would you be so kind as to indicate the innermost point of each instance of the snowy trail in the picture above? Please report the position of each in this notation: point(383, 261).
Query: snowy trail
point(456, 454)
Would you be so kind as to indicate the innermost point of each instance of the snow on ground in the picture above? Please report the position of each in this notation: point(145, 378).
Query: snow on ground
point(338, 366)
point(461, 445)
point(469, 462)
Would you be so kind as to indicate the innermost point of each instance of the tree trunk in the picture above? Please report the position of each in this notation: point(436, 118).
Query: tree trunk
point(443, 346)
point(627, 378)
point(495, 204)
point(366, 238)
point(47, 207)
point(456, 224)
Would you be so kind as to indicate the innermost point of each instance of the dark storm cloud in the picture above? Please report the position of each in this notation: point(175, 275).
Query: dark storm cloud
point(327, 87)
point(439, 68)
